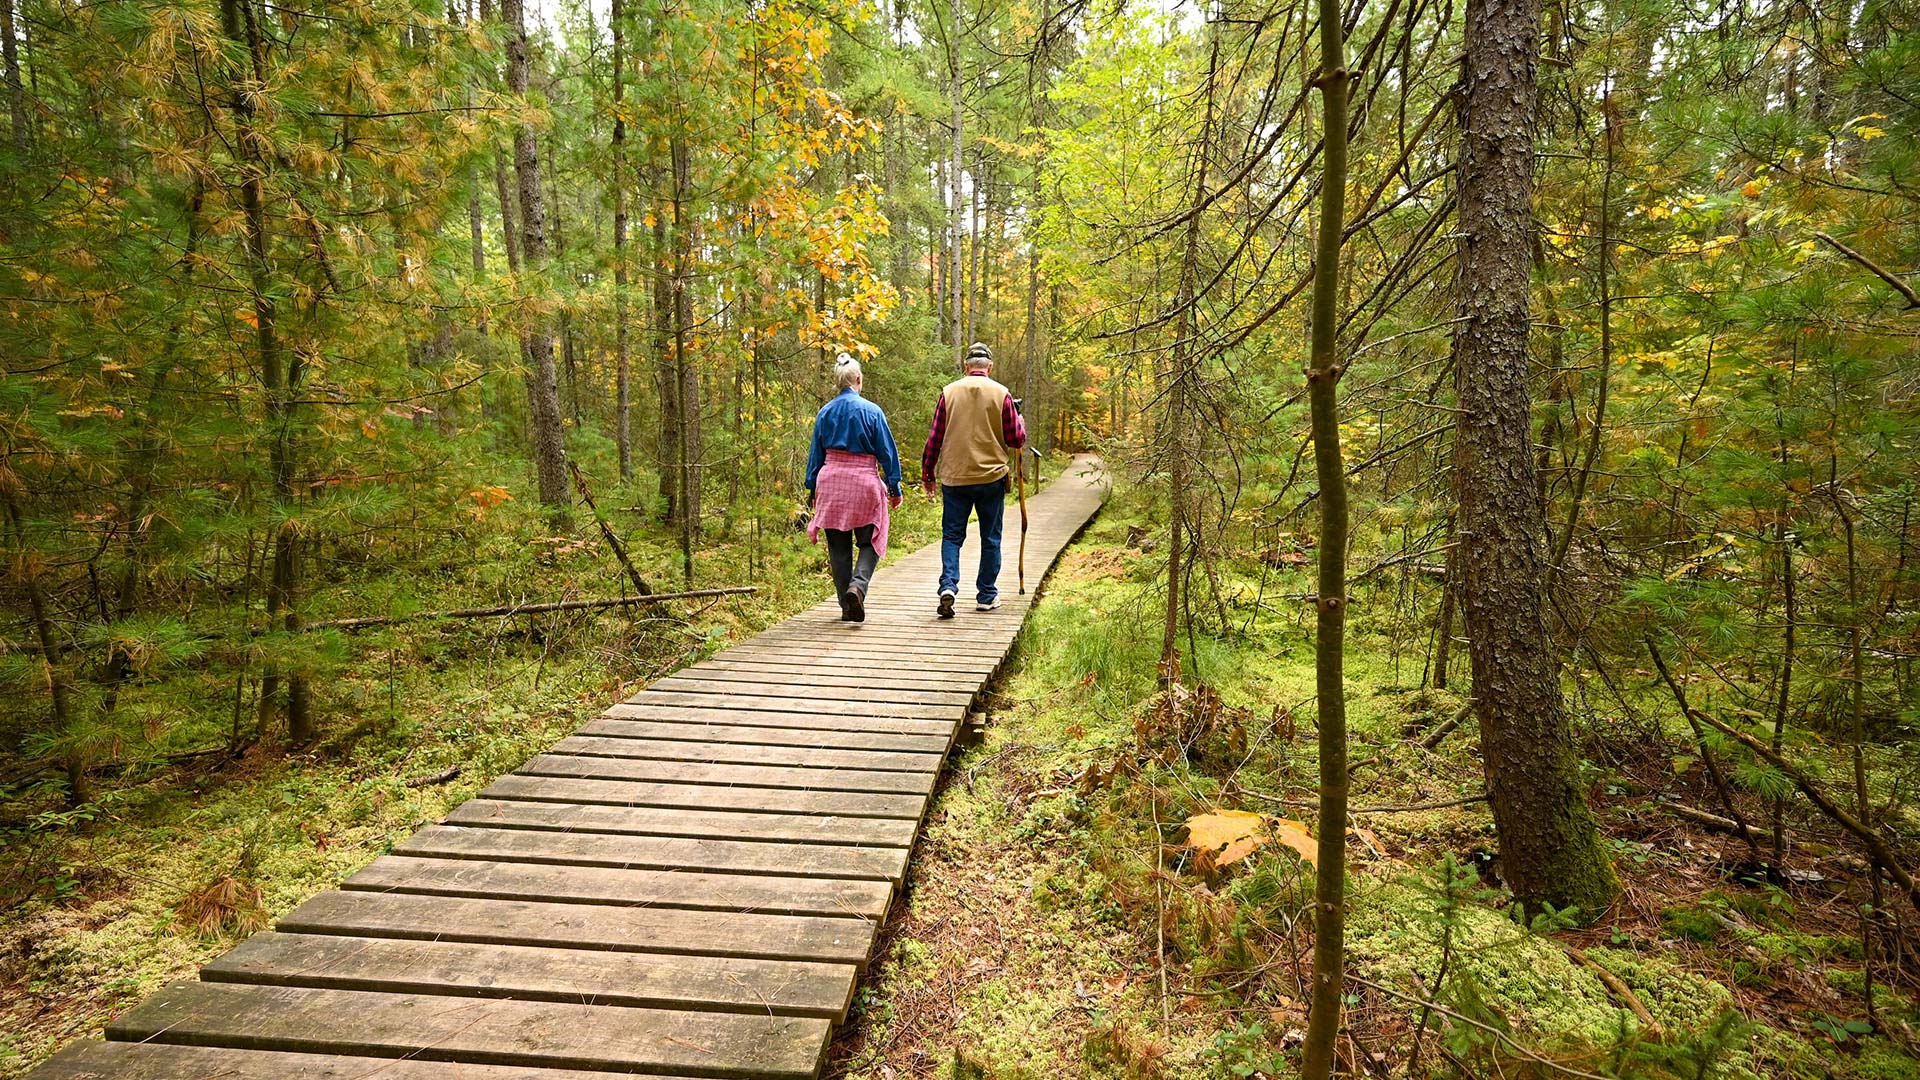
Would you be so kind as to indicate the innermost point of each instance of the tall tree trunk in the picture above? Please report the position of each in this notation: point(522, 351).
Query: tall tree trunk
point(569, 354)
point(976, 255)
point(536, 341)
point(622, 348)
point(1443, 630)
point(1030, 362)
point(509, 231)
point(1550, 850)
point(1174, 438)
point(686, 372)
point(47, 643)
point(666, 382)
point(1609, 130)
point(16, 91)
point(278, 376)
point(956, 278)
point(1330, 602)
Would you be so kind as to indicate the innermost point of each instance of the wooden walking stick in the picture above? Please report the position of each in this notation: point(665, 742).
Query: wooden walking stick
point(1020, 482)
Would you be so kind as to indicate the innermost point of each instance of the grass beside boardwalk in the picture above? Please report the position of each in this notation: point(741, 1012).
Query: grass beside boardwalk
point(1056, 927)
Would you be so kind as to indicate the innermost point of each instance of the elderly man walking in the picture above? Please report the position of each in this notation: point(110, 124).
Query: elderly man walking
point(976, 428)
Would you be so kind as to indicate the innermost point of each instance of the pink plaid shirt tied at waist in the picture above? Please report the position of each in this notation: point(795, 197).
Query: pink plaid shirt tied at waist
point(848, 494)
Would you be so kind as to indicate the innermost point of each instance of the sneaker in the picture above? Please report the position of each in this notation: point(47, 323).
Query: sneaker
point(855, 603)
point(987, 605)
point(945, 610)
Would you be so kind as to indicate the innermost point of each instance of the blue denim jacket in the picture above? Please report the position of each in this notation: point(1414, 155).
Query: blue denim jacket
point(852, 423)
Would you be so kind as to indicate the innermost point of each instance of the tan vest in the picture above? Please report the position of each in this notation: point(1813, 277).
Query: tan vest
point(975, 450)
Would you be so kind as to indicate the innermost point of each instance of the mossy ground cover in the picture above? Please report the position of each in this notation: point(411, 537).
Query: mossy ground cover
point(180, 858)
point(1056, 926)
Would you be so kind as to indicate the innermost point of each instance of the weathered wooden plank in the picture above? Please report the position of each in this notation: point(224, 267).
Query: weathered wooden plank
point(751, 671)
point(876, 657)
point(491, 812)
point(610, 885)
point(93, 1060)
point(864, 658)
point(481, 1030)
point(683, 731)
point(779, 704)
point(601, 926)
point(811, 757)
point(552, 778)
point(719, 714)
point(750, 776)
point(811, 861)
point(539, 973)
point(826, 698)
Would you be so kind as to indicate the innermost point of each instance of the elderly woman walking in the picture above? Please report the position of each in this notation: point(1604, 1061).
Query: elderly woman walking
point(852, 451)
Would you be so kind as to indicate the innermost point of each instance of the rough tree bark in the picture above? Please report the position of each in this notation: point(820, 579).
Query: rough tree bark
point(536, 341)
point(16, 91)
point(1549, 848)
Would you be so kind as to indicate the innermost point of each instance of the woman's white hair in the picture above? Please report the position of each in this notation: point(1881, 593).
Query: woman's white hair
point(846, 372)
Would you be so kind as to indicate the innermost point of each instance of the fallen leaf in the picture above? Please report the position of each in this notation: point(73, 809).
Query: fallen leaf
point(1224, 837)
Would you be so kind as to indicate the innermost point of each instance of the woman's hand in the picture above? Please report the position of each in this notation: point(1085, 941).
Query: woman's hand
point(894, 501)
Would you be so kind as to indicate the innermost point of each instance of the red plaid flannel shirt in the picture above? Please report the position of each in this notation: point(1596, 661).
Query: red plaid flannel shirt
point(1012, 427)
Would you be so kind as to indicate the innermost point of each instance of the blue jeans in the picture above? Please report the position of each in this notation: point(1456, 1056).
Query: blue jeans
point(989, 501)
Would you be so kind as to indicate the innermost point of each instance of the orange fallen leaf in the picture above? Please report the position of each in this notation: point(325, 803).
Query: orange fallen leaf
point(1224, 837)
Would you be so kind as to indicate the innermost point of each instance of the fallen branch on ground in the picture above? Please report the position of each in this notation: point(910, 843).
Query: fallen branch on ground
point(1411, 807)
point(1619, 987)
point(1714, 821)
point(526, 609)
point(1440, 733)
point(1875, 843)
point(440, 777)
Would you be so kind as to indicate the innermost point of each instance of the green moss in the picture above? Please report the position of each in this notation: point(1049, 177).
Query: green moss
point(1693, 923)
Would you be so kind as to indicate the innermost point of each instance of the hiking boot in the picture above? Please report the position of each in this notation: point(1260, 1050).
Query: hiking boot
point(855, 605)
point(987, 605)
point(846, 612)
point(945, 610)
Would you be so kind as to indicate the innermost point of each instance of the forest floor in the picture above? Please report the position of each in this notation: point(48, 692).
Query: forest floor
point(1055, 925)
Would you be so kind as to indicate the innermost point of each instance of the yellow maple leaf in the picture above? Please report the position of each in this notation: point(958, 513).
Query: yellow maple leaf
point(1225, 837)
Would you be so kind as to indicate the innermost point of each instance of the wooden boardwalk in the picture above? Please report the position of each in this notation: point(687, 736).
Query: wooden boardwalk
point(687, 886)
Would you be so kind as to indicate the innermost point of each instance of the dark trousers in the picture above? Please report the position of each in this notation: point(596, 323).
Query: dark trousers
point(957, 503)
point(849, 573)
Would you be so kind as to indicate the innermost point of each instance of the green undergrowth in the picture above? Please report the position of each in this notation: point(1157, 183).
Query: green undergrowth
point(180, 857)
point(1058, 927)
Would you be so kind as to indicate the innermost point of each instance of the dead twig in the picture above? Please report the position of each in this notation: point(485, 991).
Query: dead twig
point(507, 610)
